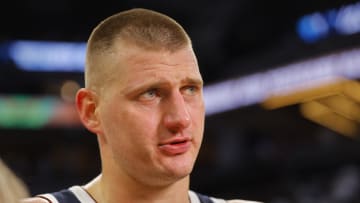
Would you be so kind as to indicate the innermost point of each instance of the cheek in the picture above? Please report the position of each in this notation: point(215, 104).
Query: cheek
point(198, 114)
point(128, 126)
point(198, 117)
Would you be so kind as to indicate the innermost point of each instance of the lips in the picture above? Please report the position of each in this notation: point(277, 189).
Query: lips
point(175, 146)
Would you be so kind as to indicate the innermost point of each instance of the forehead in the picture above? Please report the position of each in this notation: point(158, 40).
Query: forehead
point(136, 62)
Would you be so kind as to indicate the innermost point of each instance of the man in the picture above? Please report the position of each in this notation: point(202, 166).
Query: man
point(143, 99)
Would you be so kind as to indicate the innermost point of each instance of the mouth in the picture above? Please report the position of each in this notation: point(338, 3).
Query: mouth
point(175, 147)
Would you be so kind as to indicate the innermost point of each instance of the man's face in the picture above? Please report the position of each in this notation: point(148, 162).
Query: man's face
point(152, 114)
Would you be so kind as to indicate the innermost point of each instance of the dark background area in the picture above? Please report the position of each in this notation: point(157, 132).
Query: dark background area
point(274, 156)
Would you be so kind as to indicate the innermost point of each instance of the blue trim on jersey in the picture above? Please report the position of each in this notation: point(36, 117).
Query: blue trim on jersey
point(204, 198)
point(65, 196)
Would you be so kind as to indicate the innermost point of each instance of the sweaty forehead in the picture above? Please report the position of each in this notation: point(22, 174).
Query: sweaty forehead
point(164, 61)
point(135, 58)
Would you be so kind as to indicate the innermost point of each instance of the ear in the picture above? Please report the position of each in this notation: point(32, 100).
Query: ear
point(86, 105)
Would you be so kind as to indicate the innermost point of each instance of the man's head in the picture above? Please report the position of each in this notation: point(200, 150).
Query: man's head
point(142, 28)
point(143, 98)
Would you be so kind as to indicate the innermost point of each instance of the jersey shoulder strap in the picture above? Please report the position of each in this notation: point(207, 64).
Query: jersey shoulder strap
point(208, 199)
point(74, 194)
point(66, 196)
point(204, 198)
point(62, 196)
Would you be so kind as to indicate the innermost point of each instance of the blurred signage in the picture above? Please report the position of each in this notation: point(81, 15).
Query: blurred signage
point(319, 25)
point(47, 56)
point(28, 112)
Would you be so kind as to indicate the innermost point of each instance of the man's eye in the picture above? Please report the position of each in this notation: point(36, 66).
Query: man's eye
point(190, 90)
point(148, 95)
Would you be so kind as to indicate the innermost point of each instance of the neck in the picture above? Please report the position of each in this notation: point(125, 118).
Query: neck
point(108, 190)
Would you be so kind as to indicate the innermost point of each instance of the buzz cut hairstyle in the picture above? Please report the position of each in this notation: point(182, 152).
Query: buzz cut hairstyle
point(143, 28)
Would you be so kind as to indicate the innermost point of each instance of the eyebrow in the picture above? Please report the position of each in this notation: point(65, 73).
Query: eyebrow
point(149, 85)
point(194, 81)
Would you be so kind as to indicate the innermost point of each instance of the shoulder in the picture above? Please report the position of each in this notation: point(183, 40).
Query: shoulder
point(217, 200)
point(34, 200)
point(74, 194)
point(240, 201)
point(196, 197)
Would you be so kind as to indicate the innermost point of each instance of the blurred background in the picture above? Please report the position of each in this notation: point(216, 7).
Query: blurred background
point(282, 94)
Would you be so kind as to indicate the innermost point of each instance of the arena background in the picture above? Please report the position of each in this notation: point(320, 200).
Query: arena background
point(281, 85)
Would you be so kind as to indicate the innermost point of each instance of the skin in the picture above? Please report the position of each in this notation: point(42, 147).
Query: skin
point(149, 120)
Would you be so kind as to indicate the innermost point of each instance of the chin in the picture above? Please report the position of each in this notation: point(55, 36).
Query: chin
point(180, 166)
point(175, 177)
point(180, 171)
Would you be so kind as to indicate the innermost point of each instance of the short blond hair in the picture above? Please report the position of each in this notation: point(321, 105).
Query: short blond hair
point(143, 28)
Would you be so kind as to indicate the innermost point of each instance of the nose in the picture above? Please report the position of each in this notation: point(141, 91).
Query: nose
point(177, 115)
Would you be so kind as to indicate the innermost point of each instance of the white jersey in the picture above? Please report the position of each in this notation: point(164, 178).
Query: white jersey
point(77, 194)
